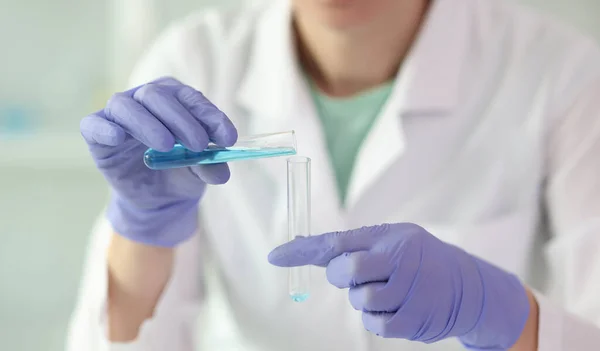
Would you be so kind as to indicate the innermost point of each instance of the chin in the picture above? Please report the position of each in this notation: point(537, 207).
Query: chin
point(344, 14)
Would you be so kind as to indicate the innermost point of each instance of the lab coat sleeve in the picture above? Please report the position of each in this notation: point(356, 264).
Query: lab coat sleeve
point(570, 306)
point(174, 322)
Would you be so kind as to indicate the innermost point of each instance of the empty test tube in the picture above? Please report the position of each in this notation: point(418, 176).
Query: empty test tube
point(298, 194)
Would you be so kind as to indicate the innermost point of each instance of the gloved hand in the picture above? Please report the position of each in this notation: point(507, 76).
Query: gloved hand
point(411, 285)
point(157, 208)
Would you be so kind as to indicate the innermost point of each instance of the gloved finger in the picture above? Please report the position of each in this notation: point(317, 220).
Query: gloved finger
point(320, 249)
point(379, 323)
point(163, 104)
point(359, 267)
point(95, 129)
point(218, 173)
point(167, 81)
point(410, 323)
point(389, 296)
point(375, 297)
point(218, 126)
point(137, 121)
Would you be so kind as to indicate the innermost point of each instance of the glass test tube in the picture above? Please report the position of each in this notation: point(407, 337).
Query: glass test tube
point(246, 148)
point(298, 193)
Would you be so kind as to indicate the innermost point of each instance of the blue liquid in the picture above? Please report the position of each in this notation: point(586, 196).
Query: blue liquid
point(299, 297)
point(179, 156)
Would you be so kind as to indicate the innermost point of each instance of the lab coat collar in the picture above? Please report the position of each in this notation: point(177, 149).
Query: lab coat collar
point(433, 66)
point(427, 84)
point(276, 96)
point(272, 64)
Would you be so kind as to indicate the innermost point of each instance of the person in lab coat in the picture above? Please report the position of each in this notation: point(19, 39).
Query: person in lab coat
point(455, 196)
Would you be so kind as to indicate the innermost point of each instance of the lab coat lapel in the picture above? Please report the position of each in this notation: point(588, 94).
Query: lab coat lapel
point(277, 98)
point(426, 84)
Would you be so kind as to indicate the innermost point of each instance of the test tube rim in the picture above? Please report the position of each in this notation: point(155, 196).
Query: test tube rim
point(298, 159)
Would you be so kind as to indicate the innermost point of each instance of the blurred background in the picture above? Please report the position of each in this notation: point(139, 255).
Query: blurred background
point(59, 61)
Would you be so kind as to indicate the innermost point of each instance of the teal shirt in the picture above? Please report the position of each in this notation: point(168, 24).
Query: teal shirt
point(346, 123)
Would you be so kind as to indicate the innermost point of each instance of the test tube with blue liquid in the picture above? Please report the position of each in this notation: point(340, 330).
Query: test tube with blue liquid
point(298, 195)
point(246, 148)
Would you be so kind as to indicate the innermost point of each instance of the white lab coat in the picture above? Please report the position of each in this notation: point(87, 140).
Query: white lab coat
point(490, 139)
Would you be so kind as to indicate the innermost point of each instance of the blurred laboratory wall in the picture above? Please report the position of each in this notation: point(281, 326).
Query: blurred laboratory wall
point(60, 60)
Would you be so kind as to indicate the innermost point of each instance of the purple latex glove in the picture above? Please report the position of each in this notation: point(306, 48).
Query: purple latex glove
point(411, 285)
point(157, 208)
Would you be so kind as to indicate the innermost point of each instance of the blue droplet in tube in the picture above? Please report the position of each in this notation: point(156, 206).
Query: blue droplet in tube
point(299, 297)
